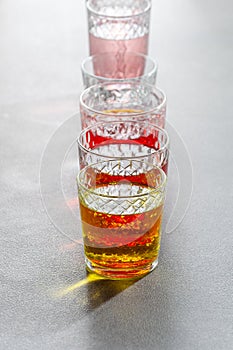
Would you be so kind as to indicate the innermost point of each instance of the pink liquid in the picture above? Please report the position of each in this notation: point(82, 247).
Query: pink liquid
point(119, 68)
point(100, 45)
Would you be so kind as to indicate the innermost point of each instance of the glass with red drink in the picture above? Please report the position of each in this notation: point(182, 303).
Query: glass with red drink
point(122, 140)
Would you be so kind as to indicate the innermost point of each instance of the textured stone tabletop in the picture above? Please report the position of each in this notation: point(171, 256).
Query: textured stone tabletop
point(47, 299)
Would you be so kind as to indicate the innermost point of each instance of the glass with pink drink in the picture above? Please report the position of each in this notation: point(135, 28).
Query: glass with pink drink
point(118, 26)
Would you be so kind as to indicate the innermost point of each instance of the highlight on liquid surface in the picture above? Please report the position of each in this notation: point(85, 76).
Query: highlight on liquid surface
point(121, 236)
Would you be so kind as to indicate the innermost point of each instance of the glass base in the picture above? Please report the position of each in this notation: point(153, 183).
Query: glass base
point(118, 274)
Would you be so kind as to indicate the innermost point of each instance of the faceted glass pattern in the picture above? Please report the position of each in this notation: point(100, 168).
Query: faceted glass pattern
point(125, 101)
point(122, 197)
point(118, 19)
point(137, 140)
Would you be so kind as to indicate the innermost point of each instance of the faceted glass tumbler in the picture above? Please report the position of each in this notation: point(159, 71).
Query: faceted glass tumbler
point(122, 101)
point(126, 66)
point(140, 140)
point(118, 25)
point(121, 208)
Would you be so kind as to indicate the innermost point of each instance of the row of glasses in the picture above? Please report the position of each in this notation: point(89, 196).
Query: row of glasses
point(123, 146)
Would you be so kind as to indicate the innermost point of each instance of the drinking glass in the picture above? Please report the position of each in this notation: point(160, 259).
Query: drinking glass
point(132, 100)
point(121, 140)
point(104, 67)
point(118, 25)
point(121, 208)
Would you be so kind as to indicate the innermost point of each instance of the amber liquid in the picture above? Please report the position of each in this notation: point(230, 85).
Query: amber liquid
point(121, 241)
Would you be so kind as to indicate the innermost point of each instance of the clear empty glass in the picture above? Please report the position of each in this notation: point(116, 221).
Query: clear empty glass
point(105, 67)
point(118, 25)
point(122, 101)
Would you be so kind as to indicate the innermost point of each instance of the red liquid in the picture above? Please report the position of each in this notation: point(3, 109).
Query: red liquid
point(130, 148)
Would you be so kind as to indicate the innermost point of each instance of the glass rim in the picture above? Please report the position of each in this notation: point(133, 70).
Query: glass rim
point(154, 90)
point(92, 190)
point(147, 9)
point(162, 149)
point(104, 79)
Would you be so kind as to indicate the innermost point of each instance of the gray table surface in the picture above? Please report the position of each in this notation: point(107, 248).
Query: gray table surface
point(47, 300)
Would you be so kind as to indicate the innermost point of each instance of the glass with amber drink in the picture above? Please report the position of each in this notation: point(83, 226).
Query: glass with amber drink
point(127, 100)
point(121, 208)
